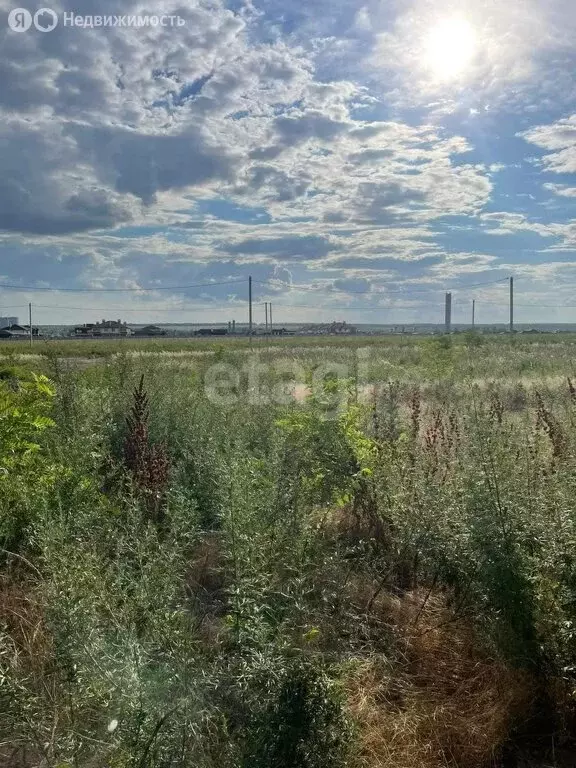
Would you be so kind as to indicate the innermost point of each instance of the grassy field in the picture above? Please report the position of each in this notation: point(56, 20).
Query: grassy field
point(107, 348)
point(315, 553)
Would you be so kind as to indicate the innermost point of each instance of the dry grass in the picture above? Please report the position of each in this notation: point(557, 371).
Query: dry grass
point(450, 704)
point(206, 587)
point(27, 643)
point(23, 625)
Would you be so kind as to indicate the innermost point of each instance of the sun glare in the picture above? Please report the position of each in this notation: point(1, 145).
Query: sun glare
point(449, 48)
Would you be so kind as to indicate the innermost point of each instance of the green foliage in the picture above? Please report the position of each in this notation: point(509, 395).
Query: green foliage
point(304, 725)
point(473, 339)
point(215, 638)
point(25, 405)
point(25, 415)
point(324, 458)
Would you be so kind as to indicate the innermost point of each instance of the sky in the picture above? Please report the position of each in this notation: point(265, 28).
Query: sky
point(357, 158)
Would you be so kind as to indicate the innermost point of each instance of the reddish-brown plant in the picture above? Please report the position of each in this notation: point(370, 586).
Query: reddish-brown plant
point(546, 421)
point(148, 463)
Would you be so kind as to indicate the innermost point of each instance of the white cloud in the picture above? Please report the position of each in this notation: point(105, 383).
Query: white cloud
point(562, 191)
point(559, 140)
point(504, 223)
point(113, 142)
point(515, 52)
point(361, 172)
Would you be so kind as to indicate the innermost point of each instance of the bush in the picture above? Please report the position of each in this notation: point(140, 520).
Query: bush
point(303, 724)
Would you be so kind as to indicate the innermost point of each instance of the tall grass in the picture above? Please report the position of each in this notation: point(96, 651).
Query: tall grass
point(378, 574)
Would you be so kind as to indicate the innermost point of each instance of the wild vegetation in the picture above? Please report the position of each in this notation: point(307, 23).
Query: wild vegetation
point(304, 556)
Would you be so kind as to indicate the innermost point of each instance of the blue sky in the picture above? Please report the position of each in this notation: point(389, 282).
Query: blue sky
point(358, 159)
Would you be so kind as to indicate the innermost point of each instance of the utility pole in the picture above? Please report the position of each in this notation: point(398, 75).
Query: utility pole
point(270, 314)
point(250, 306)
point(473, 312)
point(266, 312)
point(448, 313)
point(511, 305)
point(30, 320)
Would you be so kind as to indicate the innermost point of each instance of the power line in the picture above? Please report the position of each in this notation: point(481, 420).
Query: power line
point(273, 284)
point(453, 288)
point(333, 289)
point(185, 309)
point(115, 309)
point(480, 285)
point(355, 309)
point(482, 302)
point(281, 284)
point(419, 305)
point(120, 290)
point(546, 306)
point(534, 305)
point(340, 307)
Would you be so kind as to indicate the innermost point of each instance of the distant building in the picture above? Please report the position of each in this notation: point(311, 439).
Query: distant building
point(211, 332)
point(150, 330)
point(106, 329)
point(336, 327)
point(342, 327)
point(5, 322)
point(16, 331)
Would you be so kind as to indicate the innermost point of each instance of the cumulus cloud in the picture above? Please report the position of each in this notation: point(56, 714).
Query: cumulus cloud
point(303, 140)
point(353, 285)
point(97, 123)
point(511, 54)
point(46, 187)
point(295, 247)
point(351, 171)
point(561, 190)
point(101, 124)
point(558, 140)
point(505, 223)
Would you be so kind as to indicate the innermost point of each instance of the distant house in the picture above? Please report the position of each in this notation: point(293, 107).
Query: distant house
point(106, 329)
point(5, 321)
point(18, 332)
point(211, 332)
point(150, 330)
point(342, 327)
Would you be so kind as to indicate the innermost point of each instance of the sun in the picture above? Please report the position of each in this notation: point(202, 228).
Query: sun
point(449, 48)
